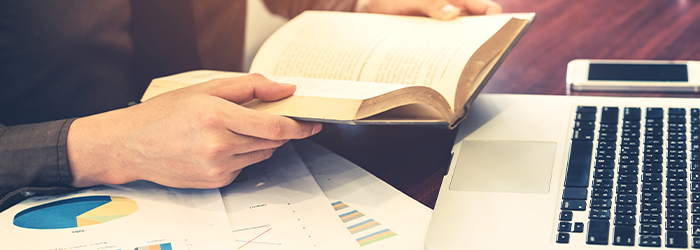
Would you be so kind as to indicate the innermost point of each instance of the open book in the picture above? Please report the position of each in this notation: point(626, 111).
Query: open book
point(359, 68)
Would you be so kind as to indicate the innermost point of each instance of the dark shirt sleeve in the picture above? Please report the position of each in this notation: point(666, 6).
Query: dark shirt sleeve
point(34, 161)
point(290, 9)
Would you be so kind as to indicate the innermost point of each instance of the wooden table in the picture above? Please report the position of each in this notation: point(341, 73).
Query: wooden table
point(414, 159)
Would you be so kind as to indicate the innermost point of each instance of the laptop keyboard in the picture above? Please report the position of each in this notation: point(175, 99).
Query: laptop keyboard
point(634, 174)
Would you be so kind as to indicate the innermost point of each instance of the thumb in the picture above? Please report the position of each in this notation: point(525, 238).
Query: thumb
point(245, 88)
point(442, 10)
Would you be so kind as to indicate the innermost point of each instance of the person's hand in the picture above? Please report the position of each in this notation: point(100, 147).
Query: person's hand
point(439, 9)
point(194, 137)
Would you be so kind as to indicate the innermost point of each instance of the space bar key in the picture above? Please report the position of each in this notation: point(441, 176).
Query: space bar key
point(579, 167)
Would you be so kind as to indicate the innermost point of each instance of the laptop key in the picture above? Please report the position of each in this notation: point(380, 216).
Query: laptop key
point(598, 232)
point(655, 113)
point(575, 193)
point(623, 236)
point(602, 193)
point(681, 225)
point(696, 243)
point(633, 114)
point(678, 214)
point(695, 197)
point(585, 116)
point(676, 239)
point(603, 214)
point(583, 135)
point(563, 238)
point(650, 218)
point(586, 109)
point(652, 168)
point(564, 226)
point(604, 164)
point(625, 220)
point(649, 241)
point(696, 231)
point(649, 207)
point(601, 203)
point(627, 189)
point(650, 229)
point(575, 205)
point(581, 125)
point(676, 111)
point(566, 215)
point(578, 169)
point(650, 187)
point(603, 183)
point(603, 173)
point(625, 209)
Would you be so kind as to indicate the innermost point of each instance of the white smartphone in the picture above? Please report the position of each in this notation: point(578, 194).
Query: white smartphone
point(634, 75)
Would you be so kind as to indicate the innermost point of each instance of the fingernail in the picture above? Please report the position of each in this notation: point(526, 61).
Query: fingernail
point(450, 10)
point(317, 128)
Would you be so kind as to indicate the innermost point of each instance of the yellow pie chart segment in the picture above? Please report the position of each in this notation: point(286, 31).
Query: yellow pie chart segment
point(117, 208)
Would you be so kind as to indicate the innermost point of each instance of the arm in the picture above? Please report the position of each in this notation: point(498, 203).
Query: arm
point(33, 161)
point(440, 9)
point(195, 137)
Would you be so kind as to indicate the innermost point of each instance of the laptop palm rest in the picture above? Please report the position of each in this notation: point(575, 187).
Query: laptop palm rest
point(504, 166)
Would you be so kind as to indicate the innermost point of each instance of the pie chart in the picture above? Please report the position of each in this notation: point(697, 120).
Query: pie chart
point(75, 212)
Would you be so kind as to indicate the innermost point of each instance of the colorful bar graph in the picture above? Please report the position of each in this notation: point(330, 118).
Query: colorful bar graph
point(338, 205)
point(354, 214)
point(164, 246)
point(374, 237)
point(361, 228)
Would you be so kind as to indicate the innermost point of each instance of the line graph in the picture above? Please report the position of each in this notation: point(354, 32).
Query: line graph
point(255, 238)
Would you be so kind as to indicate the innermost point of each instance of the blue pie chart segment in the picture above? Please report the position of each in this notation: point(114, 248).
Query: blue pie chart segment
point(69, 213)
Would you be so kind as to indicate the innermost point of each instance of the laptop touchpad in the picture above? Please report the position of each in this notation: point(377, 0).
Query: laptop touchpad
point(504, 166)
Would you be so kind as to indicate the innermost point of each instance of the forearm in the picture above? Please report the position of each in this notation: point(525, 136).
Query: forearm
point(33, 158)
point(291, 8)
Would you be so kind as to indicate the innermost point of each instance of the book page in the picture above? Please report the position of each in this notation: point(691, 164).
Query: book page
point(305, 86)
point(376, 48)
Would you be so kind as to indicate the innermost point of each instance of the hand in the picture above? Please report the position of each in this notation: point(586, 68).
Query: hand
point(439, 9)
point(194, 137)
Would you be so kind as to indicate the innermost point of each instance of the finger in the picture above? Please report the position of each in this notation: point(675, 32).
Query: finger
point(245, 88)
point(478, 7)
point(225, 143)
point(251, 158)
point(441, 9)
point(265, 125)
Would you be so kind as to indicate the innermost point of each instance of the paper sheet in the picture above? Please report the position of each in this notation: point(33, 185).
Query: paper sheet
point(280, 206)
point(377, 215)
point(132, 216)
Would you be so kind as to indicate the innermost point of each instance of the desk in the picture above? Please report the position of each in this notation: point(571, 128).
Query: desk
point(415, 159)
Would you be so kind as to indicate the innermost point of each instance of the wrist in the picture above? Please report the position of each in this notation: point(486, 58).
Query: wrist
point(93, 154)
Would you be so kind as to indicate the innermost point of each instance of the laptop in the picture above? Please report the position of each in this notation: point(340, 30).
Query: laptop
point(572, 172)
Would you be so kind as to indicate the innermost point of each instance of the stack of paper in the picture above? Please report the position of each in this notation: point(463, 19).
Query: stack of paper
point(304, 197)
point(307, 197)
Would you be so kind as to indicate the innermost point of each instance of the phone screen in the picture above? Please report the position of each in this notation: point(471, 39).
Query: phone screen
point(638, 72)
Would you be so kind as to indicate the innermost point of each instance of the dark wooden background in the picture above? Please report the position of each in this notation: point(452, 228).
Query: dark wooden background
point(414, 159)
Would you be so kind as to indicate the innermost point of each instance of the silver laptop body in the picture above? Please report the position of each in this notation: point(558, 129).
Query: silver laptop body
point(505, 183)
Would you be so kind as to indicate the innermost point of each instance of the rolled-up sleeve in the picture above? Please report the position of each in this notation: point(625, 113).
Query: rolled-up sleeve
point(34, 161)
